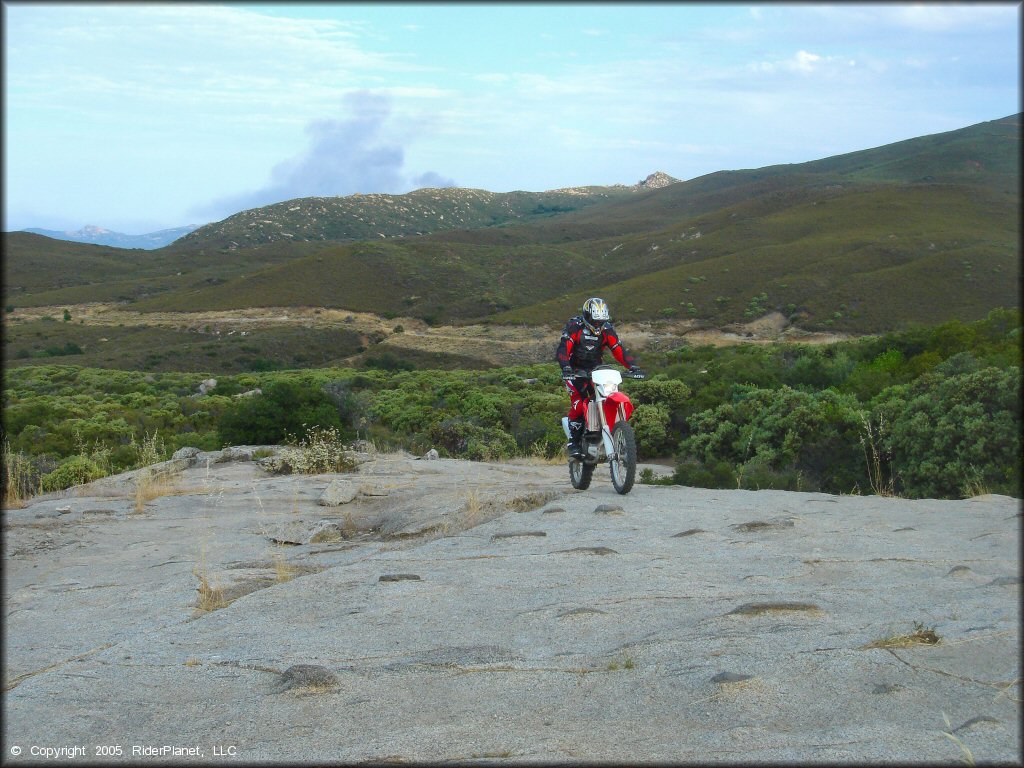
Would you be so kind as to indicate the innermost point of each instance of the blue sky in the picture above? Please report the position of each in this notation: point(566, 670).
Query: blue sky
point(144, 116)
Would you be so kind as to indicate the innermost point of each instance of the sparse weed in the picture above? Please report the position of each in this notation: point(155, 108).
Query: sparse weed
point(19, 477)
point(967, 757)
point(150, 450)
point(921, 635)
point(647, 477)
point(283, 571)
point(615, 664)
point(974, 484)
point(876, 457)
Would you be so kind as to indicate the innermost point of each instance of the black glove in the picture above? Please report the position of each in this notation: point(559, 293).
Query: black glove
point(636, 373)
point(567, 372)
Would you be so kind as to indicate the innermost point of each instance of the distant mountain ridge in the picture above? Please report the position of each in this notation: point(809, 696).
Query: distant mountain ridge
point(99, 236)
point(384, 216)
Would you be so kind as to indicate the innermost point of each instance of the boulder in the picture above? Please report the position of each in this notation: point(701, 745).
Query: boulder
point(186, 453)
point(235, 453)
point(339, 492)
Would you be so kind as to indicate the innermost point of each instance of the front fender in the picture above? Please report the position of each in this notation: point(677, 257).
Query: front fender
point(611, 408)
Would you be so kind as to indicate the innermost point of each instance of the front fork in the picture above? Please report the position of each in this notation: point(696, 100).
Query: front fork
point(606, 433)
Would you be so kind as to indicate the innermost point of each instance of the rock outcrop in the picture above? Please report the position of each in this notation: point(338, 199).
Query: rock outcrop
point(480, 611)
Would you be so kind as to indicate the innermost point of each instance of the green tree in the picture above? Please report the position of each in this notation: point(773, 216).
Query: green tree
point(284, 408)
point(949, 435)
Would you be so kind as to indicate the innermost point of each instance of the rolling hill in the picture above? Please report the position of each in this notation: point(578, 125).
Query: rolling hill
point(381, 216)
point(922, 230)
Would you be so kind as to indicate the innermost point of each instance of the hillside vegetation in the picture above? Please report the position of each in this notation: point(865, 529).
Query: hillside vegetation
point(931, 411)
point(923, 230)
point(381, 216)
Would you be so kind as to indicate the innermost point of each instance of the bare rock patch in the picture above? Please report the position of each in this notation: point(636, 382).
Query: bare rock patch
point(763, 525)
point(689, 532)
point(756, 609)
point(731, 678)
point(588, 550)
point(515, 534)
point(310, 678)
point(399, 577)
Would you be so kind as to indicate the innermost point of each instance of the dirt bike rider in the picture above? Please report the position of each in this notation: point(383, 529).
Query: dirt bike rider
point(581, 347)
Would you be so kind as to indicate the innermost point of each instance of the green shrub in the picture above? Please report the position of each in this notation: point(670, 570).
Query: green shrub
point(775, 437)
point(284, 408)
point(950, 435)
point(650, 422)
point(463, 439)
point(698, 474)
point(74, 470)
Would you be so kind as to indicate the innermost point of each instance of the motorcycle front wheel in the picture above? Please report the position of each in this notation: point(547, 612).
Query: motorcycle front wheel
point(623, 466)
point(580, 474)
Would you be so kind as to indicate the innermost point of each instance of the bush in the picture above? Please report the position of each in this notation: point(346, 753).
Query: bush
point(74, 470)
point(949, 437)
point(284, 408)
point(698, 474)
point(813, 437)
point(320, 451)
point(463, 439)
point(650, 422)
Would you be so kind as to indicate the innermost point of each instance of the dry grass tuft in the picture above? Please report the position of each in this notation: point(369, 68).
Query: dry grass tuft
point(283, 570)
point(211, 598)
point(472, 509)
point(974, 485)
point(18, 477)
point(920, 636)
point(149, 486)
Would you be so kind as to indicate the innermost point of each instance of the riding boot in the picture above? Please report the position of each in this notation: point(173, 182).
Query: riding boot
point(575, 447)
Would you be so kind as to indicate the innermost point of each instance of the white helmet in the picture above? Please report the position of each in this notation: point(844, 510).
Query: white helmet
point(595, 311)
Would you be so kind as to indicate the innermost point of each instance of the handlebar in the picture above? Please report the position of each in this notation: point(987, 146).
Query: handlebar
point(583, 373)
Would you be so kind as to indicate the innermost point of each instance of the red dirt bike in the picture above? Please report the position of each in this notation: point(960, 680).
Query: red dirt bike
point(609, 435)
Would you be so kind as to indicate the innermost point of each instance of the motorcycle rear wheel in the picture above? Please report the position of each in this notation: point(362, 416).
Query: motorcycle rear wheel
point(580, 474)
point(623, 466)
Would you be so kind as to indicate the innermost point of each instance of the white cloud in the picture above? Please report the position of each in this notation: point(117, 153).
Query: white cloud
point(210, 54)
point(938, 17)
point(804, 61)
